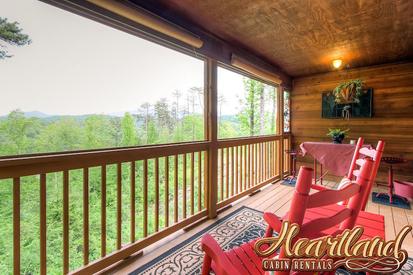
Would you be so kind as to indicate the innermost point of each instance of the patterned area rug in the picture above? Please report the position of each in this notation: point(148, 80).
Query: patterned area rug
point(240, 226)
point(384, 199)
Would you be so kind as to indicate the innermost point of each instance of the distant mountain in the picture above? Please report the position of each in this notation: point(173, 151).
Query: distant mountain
point(50, 118)
point(121, 114)
point(231, 118)
point(36, 114)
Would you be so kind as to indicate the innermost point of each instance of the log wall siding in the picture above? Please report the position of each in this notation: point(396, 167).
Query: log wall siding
point(392, 120)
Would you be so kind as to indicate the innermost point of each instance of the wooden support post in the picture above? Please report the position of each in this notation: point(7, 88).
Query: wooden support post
point(280, 129)
point(211, 135)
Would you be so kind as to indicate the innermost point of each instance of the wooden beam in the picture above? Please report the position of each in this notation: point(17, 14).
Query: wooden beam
point(280, 130)
point(147, 19)
point(212, 136)
point(251, 68)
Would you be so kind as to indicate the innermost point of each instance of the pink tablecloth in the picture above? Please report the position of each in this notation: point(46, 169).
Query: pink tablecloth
point(336, 158)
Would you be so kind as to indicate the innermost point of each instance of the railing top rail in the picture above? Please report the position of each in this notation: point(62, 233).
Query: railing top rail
point(48, 163)
point(222, 143)
point(26, 165)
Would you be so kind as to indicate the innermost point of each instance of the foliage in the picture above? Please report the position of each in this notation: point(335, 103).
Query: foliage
point(11, 34)
point(129, 131)
point(349, 91)
point(255, 116)
point(334, 132)
point(286, 114)
point(161, 122)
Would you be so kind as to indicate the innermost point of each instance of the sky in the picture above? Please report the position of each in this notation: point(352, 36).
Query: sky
point(78, 66)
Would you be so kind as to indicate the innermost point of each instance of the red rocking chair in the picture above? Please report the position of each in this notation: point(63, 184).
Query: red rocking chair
point(373, 224)
point(243, 259)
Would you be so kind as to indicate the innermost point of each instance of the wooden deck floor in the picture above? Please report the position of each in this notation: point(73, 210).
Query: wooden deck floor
point(272, 198)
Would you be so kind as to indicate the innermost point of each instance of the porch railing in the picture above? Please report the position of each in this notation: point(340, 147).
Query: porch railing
point(149, 192)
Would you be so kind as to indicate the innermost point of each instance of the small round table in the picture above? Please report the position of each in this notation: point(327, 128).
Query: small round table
point(391, 161)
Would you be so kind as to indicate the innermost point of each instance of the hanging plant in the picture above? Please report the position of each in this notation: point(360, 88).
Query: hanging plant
point(348, 92)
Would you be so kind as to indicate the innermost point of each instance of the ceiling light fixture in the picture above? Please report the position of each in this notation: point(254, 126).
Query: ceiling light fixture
point(337, 63)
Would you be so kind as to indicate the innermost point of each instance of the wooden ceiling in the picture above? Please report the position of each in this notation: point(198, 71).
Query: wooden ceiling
point(304, 36)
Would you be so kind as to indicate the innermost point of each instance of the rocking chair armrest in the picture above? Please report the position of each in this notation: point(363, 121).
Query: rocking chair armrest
point(274, 222)
point(318, 187)
point(214, 251)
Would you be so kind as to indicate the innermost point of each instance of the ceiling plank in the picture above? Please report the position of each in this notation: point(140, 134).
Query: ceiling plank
point(304, 36)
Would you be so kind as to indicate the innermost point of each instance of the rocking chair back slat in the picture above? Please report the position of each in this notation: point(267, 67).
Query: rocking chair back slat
point(368, 152)
point(356, 155)
point(321, 224)
point(360, 162)
point(326, 197)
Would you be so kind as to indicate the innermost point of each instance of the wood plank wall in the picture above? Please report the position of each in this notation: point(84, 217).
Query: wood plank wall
point(393, 111)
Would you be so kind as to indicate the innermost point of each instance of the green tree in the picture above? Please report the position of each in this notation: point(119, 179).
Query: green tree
point(99, 132)
point(251, 115)
point(144, 113)
point(64, 134)
point(17, 133)
point(129, 131)
point(11, 34)
point(163, 115)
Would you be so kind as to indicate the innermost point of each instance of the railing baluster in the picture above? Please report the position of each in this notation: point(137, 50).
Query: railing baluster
point(205, 176)
point(43, 225)
point(241, 172)
point(65, 222)
point(222, 174)
point(145, 197)
point(238, 177)
point(176, 188)
point(252, 165)
point(236, 169)
point(265, 160)
point(249, 166)
point(16, 226)
point(261, 161)
point(184, 189)
point(232, 171)
point(192, 184)
point(85, 216)
point(270, 159)
point(166, 191)
point(132, 201)
point(119, 207)
point(245, 167)
point(273, 158)
point(256, 164)
point(156, 194)
point(227, 172)
point(103, 211)
point(199, 181)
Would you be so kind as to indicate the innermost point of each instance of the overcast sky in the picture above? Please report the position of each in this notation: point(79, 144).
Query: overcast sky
point(77, 66)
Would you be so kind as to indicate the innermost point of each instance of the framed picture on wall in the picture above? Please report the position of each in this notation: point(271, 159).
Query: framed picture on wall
point(363, 108)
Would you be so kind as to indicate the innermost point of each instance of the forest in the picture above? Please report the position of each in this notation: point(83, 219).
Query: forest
point(165, 121)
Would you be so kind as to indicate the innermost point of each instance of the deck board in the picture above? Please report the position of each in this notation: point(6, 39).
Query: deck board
point(274, 198)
